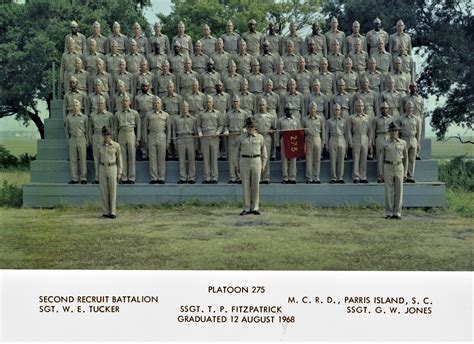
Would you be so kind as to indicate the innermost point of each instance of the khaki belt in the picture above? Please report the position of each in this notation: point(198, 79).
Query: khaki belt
point(127, 129)
point(250, 156)
point(394, 163)
point(108, 164)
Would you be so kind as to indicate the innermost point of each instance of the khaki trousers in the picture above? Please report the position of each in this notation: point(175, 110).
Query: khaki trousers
point(379, 142)
point(412, 148)
point(250, 170)
point(97, 141)
point(210, 151)
point(337, 151)
point(393, 177)
point(268, 143)
point(143, 144)
point(360, 148)
point(288, 166)
point(127, 139)
point(233, 157)
point(108, 188)
point(157, 154)
point(77, 152)
point(186, 151)
point(313, 157)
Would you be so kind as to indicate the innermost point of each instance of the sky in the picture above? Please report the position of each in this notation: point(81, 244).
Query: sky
point(164, 7)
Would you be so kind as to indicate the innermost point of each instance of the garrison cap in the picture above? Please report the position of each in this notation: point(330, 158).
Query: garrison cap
point(252, 21)
point(392, 127)
point(236, 98)
point(74, 23)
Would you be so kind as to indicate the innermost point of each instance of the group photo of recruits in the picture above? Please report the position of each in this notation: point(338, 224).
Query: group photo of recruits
point(232, 97)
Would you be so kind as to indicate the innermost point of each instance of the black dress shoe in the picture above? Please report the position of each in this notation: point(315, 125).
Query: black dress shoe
point(181, 181)
point(417, 158)
point(292, 182)
point(73, 182)
point(160, 181)
point(341, 182)
point(130, 182)
point(266, 182)
point(152, 182)
point(231, 182)
point(333, 181)
point(104, 216)
point(244, 212)
point(284, 182)
point(388, 216)
point(379, 181)
point(255, 212)
point(213, 182)
point(364, 181)
point(191, 182)
point(316, 182)
point(95, 182)
point(396, 217)
point(112, 216)
point(206, 182)
point(411, 180)
point(356, 181)
point(239, 181)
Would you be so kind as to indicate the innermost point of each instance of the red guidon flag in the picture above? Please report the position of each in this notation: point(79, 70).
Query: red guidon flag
point(294, 143)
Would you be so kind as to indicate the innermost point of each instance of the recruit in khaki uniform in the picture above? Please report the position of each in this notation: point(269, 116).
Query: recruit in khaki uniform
point(252, 149)
point(209, 126)
point(288, 166)
point(315, 126)
point(99, 119)
point(110, 170)
point(157, 134)
point(410, 131)
point(358, 132)
point(379, 134)
point(184, 127)
point(234, 124)
point(265, 124)
point(127, 121)
point(394, 158)
point(77, 135)
point(335, 131)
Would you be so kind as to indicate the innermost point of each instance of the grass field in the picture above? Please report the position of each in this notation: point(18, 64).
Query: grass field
point(191, 236)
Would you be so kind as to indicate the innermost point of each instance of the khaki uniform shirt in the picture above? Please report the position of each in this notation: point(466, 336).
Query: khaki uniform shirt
point(133, 62)
point(296, 100)
point(264, 123)
point(208, 45)
point(209, 81)
point(252, 144)
point(210, 122)
point(232, 83)
point(321, 101)
point(106, 79)
point(98, 121)
point(410, 128)
point(177, 63)
point(200, 62)
point(77, 125)
point(394, 151)
point(158, 124)
point(162, 80)
point(418, 104)
point(69, 98)
point(184, 125)
point(256, 82)
point(393, 99)
point(320, 41)
point(327, 81)
point(128, 119)
point(142, 44)
point(112, 62)
point(352, 81)
point(380, 126)
point(163, 40)
point(243, 63)
point(140, 78)
point(396, 40)
point(336, 62)
point(143, 103)
point(297, 41)
point(186, 44)
point(273, 102)
point(235, 120)
point(222, 102)
point(248, 102)
point(287, 123)
point(90, 61)
point(101, 43)
point(315, 126)
point(337, 35)
point(231, 42)
point(221, 61)
point(336, 130)
point(373, 38)
point(155, 61)
point(275, 43)
point(350, 43)
point(267, 63)
point(81, 42)
point(360, 60)
point(343, 99)
point(383, 60)
point(375, 80)
point(127, 78)
point(291, 63)
point(117, 106)
point(370, 99)
point(94, 101)
point(122, 41)
point(172, 104)
point(197, 103)
point(313, 61)
point(402, 81)
point(253, 40)
point(280, 81)
point(358, 128)
point(82, 79)
point(185, 81)
point(109, 154)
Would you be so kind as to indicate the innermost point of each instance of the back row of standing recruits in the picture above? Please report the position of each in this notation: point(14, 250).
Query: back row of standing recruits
point(288, 92)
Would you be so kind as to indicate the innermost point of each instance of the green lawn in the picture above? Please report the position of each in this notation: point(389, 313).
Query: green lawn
point(295, 237)
point(20, 145)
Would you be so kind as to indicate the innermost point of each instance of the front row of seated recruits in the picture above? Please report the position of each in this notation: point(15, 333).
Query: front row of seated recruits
point(201, 127)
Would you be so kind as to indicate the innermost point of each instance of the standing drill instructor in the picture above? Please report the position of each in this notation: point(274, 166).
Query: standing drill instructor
point(110, 170)
point(252, 149)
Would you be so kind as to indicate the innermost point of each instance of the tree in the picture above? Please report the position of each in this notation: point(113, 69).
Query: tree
point(215, 13)
point(442, 33)
point(32, 38)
